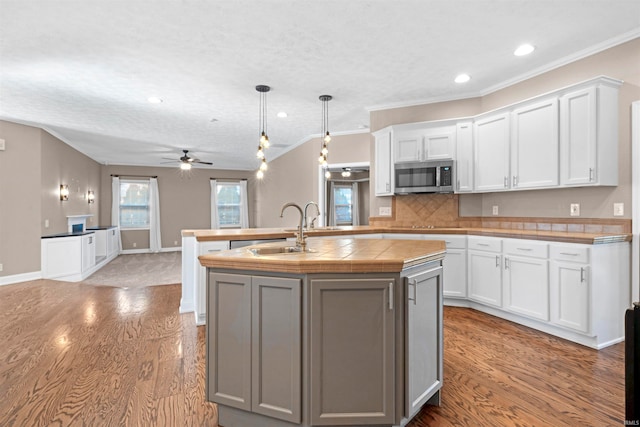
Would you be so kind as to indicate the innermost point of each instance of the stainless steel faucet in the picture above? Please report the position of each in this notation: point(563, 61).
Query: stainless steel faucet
point(301, 241)
point(306, 218)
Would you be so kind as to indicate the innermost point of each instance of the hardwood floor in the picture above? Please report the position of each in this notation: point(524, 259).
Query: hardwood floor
point(74, 354)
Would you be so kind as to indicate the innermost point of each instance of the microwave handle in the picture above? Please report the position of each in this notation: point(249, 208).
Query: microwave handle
point(437, 176)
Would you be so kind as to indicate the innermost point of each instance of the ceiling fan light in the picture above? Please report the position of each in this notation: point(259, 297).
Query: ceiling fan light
point(185, 166)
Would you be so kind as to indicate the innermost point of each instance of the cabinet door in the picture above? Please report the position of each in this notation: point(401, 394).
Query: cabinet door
point(88, 251)
point(408, 147)
point(485, 278)
point(439, 143)
point(526, 286)
point(455, 273)
point(464, 158)
point(113, 241)
point(383, 162)
point(491, 149)
point(534, 144)
point(570, 290)
point(276, 348)
point(229, 340)
point(578, 127)
point(201, 278)
point(352, 352)
point(423, 338)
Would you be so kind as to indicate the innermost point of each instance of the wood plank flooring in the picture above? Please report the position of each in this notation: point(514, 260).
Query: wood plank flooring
point(74, 354)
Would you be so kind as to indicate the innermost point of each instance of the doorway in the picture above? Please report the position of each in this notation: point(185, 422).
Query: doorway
point(344, 194)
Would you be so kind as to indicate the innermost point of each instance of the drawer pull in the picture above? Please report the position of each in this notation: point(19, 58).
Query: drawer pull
point(569, 253)
point(497, 260)
point(581, 274)
point(524, 249)
point(482, 244)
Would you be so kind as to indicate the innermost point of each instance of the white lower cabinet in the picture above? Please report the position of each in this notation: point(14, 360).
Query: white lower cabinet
point(570, 288)
point(526, 278)
point(200, 288)
point(484, 270)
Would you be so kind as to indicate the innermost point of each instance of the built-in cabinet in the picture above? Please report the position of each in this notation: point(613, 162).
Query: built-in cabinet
point(352, 363)
point(383, 161)
point(570, 287)
point(568, 137)
point(435, 142)
point(74, 257)
point(254, 339)
point(485, 270)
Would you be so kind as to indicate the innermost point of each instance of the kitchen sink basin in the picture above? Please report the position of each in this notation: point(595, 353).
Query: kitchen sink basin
point(277, 250)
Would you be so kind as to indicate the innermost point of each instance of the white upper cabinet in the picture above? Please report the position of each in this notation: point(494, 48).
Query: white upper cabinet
point(534, 145)
point(427, 143)
point(464, 159)
point(589, 135)
point(491, 149)
point(383, 162)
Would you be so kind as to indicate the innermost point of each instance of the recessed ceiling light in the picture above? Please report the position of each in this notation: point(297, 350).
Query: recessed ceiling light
point(524, 49)
point(282, 114)
point(154, 100)
point(462, 78)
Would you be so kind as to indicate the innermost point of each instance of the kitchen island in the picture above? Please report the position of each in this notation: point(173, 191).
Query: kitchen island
point(347, 333)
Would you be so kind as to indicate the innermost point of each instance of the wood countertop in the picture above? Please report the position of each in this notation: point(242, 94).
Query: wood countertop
point(280, 233)
point(346, 255)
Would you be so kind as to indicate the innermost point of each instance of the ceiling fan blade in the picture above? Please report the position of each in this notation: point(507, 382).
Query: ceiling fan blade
point(167, 158)
point(203, 163)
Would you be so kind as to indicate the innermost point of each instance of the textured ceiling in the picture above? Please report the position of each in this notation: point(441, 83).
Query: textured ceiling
point(83, 70)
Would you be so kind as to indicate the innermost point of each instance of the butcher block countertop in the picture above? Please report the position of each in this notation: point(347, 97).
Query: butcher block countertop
point(279, 233)
point(346, 255)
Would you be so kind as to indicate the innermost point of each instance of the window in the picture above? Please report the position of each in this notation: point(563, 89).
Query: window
point(229, 204)
point(134, 204)
point(343, 204)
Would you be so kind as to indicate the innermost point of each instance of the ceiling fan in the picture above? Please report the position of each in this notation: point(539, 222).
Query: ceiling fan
point(186, 161)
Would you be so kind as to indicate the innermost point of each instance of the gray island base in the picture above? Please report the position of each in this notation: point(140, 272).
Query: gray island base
point(349, 334)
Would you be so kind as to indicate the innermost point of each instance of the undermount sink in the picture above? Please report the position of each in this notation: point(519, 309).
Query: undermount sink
point(277, 250)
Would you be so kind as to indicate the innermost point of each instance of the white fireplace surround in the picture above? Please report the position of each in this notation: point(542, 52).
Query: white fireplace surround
point(77, 219)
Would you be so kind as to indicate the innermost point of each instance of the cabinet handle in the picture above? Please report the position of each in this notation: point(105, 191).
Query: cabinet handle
point(458, 184)
point(590, 174)
point(569, 253)
point(515, 180)
point(582, 274)
point(506, 263)
point(506, 182)
point(497, 260)
point(525, 249)
point(390, 295)
point(415, 291)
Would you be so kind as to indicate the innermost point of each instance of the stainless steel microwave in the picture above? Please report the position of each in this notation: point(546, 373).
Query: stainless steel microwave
point(424, 177)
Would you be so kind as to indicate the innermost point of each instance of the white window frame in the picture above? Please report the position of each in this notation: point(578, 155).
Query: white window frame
point(335, 205)
point(230, 183)
point(135, 181)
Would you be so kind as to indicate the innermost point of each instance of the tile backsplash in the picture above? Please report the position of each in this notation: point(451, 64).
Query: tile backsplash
point(441, 210)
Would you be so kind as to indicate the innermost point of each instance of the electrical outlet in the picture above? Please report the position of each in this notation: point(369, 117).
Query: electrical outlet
point(2, 145)
point(385, 211)
point(46, 223)
point(495, 210)
point(135, 245)
point(574, 210)
point(1, 267)
point(175, 243)
point(618, 209)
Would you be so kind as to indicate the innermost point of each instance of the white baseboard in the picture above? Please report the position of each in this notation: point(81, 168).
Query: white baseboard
point(148, 251)
point(23, 277)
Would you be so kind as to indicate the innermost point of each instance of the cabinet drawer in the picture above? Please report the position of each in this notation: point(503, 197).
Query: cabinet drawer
point(452, 241)
point(491, 244)
point(525, 248)
point(570, 253)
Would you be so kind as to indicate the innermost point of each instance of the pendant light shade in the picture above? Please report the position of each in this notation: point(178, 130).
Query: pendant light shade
point(264, 137)
point(324, 134)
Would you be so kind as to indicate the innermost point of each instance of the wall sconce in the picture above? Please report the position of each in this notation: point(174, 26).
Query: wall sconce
point(91, 197)
point(64, 192)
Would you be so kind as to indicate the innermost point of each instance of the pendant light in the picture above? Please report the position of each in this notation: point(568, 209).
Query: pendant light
point(263, 143)
point(324, 134)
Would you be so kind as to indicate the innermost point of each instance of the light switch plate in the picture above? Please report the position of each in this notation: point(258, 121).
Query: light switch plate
point(2, 145)
point(574, 210)
point(1, 267)
point(495, 209)
point(385, 211)
point(618, 209)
